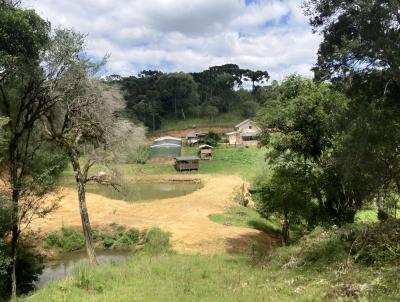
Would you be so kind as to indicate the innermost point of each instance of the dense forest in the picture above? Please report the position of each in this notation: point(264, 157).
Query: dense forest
point(152, 95)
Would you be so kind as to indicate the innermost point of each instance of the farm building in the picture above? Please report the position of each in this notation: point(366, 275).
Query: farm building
point(245, 134)
point(195, 138)
point(166, 146)
point(206, 152)
point(186, 163)
point(192, 139)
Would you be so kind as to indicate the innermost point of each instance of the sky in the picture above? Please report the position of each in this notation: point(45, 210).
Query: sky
point(189, 35)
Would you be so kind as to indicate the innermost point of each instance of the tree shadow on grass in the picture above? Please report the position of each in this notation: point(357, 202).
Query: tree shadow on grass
point(242, 243)
point(262, 226)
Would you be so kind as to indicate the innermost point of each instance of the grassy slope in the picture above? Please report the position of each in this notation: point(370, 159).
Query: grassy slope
point(184, 278)
point(311, 270)
point(222, 120)
point(246, 217)
point(244, 161)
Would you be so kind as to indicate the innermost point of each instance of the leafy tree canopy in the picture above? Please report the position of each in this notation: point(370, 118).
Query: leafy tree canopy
point(358, 35)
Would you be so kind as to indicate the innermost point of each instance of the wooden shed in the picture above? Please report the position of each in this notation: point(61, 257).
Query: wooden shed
point(186, 163)
point(206, 152)
point(192, 139)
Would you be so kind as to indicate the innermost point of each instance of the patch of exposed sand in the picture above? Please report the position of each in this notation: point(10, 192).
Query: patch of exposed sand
point(184, 132)
point(186, 217)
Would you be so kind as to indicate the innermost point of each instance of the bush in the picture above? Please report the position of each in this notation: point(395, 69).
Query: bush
point(53, 240)
point(378, 243)
point(382, 215)
point(141, 155)
point(29, 267)
point(157, 242)
point(131, 237)
point(68, 240)
point(212, 139)
point(108, 241)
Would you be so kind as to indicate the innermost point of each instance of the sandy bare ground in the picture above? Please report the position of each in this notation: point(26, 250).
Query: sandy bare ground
point(186, 217)
point(184, 132)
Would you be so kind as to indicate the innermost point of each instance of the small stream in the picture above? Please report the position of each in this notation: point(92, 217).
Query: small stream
point(64, 267)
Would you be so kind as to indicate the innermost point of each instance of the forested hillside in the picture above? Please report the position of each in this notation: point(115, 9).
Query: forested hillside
point(153, 96)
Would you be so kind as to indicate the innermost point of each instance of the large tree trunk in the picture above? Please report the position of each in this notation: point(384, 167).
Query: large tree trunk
point(14, 250)
point(15, 183)
point(175, 108)
point(285, 231)
point(154, 122)
point(87, 230)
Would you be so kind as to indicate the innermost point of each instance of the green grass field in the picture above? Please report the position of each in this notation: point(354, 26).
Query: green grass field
point(246, 162)
point(222, 120)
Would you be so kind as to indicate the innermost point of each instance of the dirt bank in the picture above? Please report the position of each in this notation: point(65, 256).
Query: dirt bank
point(184, 132)
point(186, 217)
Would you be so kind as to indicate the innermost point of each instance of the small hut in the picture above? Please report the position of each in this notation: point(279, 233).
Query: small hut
point(166, 146)
point(192, 139)
point(206, 152)
point(201, 136)
point(186, 163)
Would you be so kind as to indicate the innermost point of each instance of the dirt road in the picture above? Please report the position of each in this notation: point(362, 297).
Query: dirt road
point(186, 217)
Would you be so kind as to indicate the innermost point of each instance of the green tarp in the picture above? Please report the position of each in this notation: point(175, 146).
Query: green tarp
point(165, 150)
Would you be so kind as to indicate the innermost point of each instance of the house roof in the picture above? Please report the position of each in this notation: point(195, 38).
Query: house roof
point(233, 132)
point(186, 158)
point(242, 123)
point(206, 146)
point(246, 121)
point(191, 135)
point(166, 145)
point(201, 133)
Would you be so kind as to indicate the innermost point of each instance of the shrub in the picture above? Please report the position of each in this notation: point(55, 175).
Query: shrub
point(68, 240)
point(141, 155)
point(108, 241)
point(212, 138)
point(157, 242)
point(382, 215)
point(97, 235)
point(131, 237)
point(120, 231)
point(378, 243)
point(52, 240)
point(29, 267)
point(71, 240)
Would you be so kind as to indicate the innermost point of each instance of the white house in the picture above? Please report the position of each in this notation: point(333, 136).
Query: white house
point(245, 134)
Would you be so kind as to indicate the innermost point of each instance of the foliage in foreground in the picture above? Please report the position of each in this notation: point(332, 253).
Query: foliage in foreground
point(69, 239)
point(29, 266)
point(318, 268)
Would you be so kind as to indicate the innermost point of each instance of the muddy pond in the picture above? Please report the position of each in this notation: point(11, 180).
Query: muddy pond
point(143, 191)
point(66, 266)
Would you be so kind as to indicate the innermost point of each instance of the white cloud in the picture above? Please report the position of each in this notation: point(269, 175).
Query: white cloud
point(173, 35)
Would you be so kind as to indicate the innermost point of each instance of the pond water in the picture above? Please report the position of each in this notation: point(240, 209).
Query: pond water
point(137, 191)
point(64, 267)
